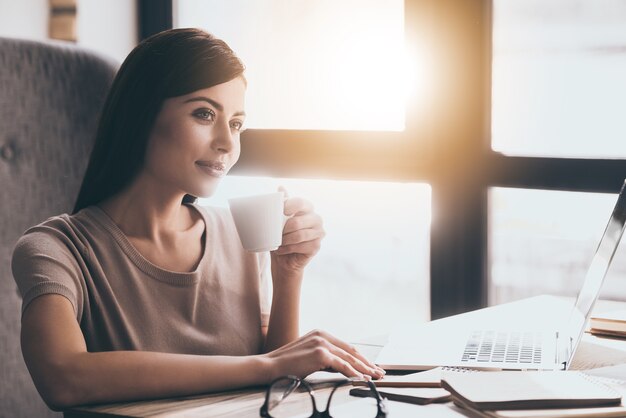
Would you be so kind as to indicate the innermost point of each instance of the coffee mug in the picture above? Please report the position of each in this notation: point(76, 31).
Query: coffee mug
point(259, 220)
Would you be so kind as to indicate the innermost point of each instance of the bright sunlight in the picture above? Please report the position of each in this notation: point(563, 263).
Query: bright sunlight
point(318, 65)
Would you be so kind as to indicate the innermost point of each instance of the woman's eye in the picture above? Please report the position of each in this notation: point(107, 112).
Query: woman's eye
point(206, 114)
point(236, 125)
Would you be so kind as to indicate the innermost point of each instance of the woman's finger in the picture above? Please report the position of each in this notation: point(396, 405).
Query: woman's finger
point(309, 220)
point(297, 205)
point(303, 235)
point(308, 248)
point(349, 348)
point(328, 359)
point(355, 362)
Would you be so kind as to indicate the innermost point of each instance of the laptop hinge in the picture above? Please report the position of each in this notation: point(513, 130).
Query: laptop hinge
point(563, 350)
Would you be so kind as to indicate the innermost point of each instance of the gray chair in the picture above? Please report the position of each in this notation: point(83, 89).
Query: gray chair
point(51, 95)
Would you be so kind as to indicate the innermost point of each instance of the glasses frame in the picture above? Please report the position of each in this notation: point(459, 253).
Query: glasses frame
point(264, 411)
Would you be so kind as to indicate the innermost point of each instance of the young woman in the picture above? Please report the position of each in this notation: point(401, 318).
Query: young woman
point(139, 293)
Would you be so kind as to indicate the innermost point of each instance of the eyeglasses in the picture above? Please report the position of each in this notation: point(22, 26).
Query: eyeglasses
point(281, 388)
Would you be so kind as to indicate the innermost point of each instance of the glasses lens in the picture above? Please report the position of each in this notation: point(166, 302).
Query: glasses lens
point(285, 401)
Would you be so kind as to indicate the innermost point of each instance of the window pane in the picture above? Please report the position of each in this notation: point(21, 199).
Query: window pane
point(543, 241)
point(373, 266)
point(558, 78)
point(324, 64)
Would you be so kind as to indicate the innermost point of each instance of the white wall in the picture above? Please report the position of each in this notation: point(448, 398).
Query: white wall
point(107, 26)
point(24, 19)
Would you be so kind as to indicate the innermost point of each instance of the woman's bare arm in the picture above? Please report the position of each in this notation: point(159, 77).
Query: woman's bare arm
point(285, 314)
point(302, 236)
point(67, 375)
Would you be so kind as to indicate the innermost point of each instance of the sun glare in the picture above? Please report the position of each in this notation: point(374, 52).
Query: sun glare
point(318, 65)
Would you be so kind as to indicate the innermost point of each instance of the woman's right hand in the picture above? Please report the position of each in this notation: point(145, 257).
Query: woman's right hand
point(318, 350)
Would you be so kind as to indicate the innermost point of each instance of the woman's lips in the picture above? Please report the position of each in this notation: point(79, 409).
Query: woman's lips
point(212, 168)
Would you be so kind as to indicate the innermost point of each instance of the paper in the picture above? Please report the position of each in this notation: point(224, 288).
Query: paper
point(599, 353)
point(524, 390)
point(616, 373)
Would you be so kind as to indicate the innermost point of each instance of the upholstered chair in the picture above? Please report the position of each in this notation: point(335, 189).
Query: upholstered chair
point(51, 95)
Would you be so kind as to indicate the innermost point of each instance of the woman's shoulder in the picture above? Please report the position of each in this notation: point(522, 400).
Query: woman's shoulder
point(215, 215)
point(61, 230)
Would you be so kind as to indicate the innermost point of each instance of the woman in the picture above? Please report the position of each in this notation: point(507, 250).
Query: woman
point(142, 294)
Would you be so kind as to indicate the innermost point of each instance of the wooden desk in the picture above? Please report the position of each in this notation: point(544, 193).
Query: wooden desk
point(592, 352)
point(240, 403)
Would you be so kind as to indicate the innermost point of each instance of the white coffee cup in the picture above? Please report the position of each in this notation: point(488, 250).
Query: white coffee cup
point(259, 220)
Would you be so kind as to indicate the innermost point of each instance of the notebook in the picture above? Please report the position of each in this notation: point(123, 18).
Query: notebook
point(515, 390)
point(601, 412)
point(539, 333)
point(609, 323)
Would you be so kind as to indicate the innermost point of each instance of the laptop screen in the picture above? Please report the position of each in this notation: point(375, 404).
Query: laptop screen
point(598, 268)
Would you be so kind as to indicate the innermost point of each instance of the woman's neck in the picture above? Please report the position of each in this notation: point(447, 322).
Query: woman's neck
point(148, 214)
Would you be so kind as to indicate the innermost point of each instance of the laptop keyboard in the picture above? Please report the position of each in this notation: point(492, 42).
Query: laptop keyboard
point(503, 347)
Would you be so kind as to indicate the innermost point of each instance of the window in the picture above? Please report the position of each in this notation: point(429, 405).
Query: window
point(375, 253)
point(543, 241)
point(557, 95)
point(332, 65)
point(558, 84)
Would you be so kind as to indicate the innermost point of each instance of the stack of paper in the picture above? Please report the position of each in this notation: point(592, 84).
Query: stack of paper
point(611, 324)
point(517, 394)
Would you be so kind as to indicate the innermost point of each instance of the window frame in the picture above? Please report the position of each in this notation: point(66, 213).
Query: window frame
point(441, 148)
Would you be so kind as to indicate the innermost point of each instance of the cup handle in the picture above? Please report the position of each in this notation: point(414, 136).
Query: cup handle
point(285, 217)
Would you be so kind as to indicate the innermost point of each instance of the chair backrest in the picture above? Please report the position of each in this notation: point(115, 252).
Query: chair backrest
point(51, 95)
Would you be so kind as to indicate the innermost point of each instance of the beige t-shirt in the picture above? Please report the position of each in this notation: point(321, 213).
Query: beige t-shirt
point(124, 302)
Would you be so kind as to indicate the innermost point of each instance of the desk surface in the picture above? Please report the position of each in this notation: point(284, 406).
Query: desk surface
point(592, 352)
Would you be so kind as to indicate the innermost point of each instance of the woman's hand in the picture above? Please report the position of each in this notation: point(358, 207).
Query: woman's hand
point(302, 237)
point(319, 350)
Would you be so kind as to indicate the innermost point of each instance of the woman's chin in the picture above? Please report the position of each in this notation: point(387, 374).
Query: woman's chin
point(206, 191)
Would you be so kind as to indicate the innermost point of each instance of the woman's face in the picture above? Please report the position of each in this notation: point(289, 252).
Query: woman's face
point(195, 138)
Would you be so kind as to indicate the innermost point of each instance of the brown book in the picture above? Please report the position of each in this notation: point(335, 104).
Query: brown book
point(63, 26)
point(509, 390)
point(610, 323)
point(596, 412)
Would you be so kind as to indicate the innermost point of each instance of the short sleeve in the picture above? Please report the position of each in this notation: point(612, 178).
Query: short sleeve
point(265, 287)
point(45, 263)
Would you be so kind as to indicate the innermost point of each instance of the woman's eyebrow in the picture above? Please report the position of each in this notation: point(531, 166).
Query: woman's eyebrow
point(215, 104)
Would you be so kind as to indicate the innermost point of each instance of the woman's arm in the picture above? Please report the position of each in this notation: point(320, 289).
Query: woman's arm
point(302, 236)
point(66, 374)
point(284, 319)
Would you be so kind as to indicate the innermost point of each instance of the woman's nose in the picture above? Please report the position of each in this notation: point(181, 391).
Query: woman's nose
point(223, 140)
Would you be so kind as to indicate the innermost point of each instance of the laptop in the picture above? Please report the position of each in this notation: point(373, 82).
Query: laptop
point(540, 333)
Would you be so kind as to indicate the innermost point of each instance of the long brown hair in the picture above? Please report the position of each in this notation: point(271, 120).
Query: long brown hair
point(169, 64)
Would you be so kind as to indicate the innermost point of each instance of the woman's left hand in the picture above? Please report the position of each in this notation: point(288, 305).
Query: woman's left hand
point(302, 236)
